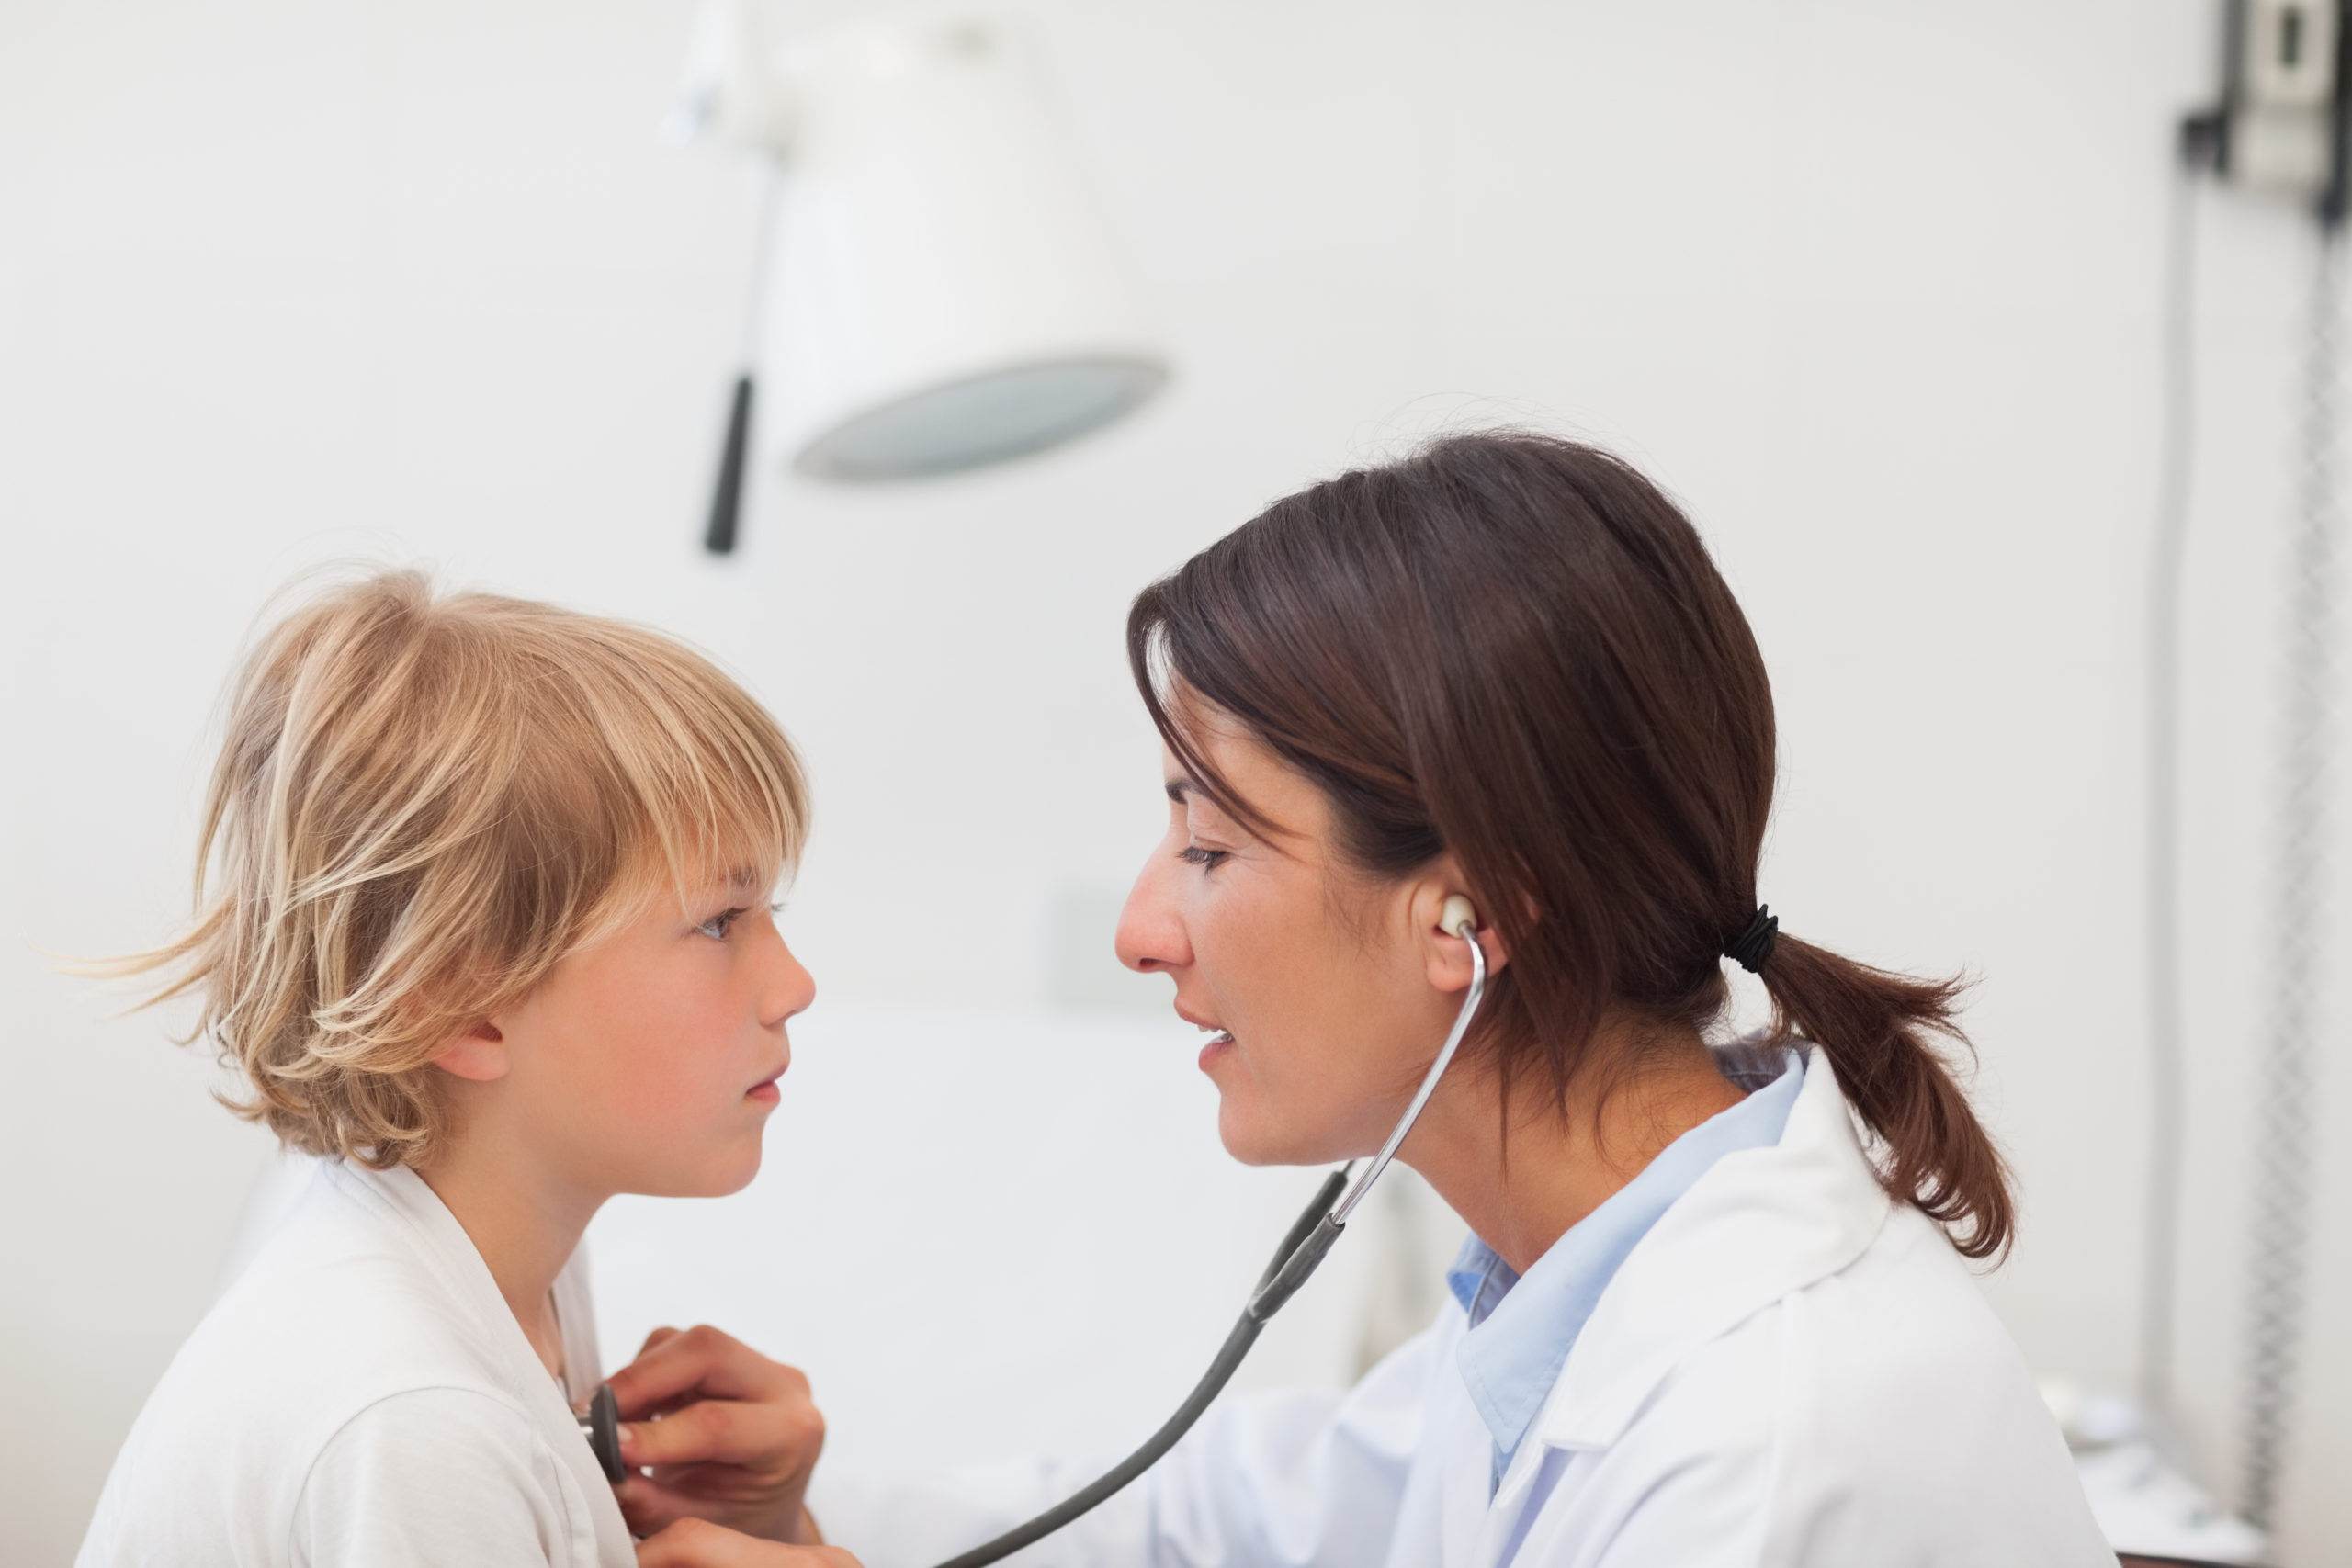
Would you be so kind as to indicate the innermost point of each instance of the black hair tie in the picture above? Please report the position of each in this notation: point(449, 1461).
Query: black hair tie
point(1751, 947)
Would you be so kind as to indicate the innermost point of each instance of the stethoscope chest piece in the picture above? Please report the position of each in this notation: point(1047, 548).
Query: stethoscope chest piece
point(601, 1424)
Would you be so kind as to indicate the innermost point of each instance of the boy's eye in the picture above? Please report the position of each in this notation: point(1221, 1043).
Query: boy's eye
point(717, 927)
point(1200, 855)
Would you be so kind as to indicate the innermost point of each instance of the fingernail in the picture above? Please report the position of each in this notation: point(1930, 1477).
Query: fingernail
point(627, 1437)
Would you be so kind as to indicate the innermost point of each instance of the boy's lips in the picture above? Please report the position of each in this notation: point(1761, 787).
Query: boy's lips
point(765, 1091)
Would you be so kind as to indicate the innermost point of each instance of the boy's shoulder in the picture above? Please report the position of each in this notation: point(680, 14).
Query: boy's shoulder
point(367, 1289)
point(364, 1322)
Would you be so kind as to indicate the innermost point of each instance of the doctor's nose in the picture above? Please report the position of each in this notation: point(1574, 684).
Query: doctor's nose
point(1151, 937)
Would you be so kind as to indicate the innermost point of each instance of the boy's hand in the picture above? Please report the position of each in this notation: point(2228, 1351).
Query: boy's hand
point(693, 1543)
point(712, 1429)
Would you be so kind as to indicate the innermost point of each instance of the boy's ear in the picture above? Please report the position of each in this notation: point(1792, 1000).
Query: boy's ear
point(478, 1053)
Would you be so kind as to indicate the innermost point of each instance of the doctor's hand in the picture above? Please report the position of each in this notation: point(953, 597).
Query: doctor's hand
point(712, 1429)
point(692, 1544)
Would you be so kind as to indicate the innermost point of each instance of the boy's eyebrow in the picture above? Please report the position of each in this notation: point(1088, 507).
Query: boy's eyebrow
point(744, 877)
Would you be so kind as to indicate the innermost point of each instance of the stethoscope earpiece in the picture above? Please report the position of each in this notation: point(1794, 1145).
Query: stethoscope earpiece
point(1458, 918)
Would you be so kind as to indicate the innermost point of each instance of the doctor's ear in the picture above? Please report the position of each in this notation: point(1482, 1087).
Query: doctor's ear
point(1441, 909)
point(476, 1054)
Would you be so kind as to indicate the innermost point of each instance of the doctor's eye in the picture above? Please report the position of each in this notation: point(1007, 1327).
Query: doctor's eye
point(1198, 855)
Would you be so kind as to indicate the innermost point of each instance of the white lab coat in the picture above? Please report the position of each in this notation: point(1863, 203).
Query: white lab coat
point(1787, 1369)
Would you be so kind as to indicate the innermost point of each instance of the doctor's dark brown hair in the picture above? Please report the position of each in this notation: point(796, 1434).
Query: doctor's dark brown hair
point(1515, 648)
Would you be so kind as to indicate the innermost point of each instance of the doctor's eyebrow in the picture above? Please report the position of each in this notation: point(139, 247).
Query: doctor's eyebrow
point(1178, 788)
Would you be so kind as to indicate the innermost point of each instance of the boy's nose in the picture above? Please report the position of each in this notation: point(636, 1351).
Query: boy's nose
point(790, 987)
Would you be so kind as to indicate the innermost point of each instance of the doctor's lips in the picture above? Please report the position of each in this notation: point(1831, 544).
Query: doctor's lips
point(1219, 1040)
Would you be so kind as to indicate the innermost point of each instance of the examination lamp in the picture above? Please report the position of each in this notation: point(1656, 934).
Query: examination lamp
point(936, 290)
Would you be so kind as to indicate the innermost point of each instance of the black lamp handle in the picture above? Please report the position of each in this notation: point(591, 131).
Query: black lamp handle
point(726, 497)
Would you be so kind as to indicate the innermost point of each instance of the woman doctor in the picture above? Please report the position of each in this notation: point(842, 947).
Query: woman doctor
point(1717, 1307)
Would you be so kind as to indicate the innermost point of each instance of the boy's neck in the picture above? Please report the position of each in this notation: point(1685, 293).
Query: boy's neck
point(525, 1224)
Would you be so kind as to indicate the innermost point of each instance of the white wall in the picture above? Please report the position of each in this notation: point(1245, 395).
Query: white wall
point(1873, 287)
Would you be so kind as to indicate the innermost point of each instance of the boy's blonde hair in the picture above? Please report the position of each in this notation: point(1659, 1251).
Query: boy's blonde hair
point(422, 804)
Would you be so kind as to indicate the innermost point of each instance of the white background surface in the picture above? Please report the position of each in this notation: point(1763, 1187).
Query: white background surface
point(1871, 288)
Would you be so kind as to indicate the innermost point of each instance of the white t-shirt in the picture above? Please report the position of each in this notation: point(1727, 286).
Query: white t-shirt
point(361, 1397)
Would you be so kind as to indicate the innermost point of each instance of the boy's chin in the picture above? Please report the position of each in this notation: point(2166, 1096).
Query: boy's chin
point(712, 1176)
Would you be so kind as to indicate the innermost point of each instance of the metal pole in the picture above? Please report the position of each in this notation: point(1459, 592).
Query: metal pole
point(2282, 1201)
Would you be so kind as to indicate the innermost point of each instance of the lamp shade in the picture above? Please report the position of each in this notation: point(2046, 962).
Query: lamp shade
point(940, 290)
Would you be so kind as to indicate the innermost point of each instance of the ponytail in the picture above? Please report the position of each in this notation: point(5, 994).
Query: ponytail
point(1877, 1030)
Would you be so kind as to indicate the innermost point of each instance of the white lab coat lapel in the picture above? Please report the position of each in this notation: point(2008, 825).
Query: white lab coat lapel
point(1469, 1468)
point(1513, 1497)
point(1761, 1224)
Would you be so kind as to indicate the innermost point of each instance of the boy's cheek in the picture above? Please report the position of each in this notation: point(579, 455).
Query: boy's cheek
point(670, 1116)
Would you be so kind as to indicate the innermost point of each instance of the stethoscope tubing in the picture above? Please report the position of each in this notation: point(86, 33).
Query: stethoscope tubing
point(1304, 1247)
point(1237, 1341)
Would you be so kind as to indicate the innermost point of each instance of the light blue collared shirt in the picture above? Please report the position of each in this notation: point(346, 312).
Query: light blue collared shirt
point(1522, 1328)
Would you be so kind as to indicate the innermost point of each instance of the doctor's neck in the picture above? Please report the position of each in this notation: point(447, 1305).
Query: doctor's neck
point(1641, 1090)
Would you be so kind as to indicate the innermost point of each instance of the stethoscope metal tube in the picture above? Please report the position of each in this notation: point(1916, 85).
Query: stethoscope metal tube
point(1463, 924)
point(1309, 1238)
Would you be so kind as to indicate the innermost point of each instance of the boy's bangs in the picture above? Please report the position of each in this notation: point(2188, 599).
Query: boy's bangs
point(739, 841)
point(717, 793)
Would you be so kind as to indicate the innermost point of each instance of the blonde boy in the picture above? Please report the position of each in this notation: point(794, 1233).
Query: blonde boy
point(484, 920)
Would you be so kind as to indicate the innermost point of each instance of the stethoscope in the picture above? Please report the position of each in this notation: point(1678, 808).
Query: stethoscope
point(1302, 1249)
